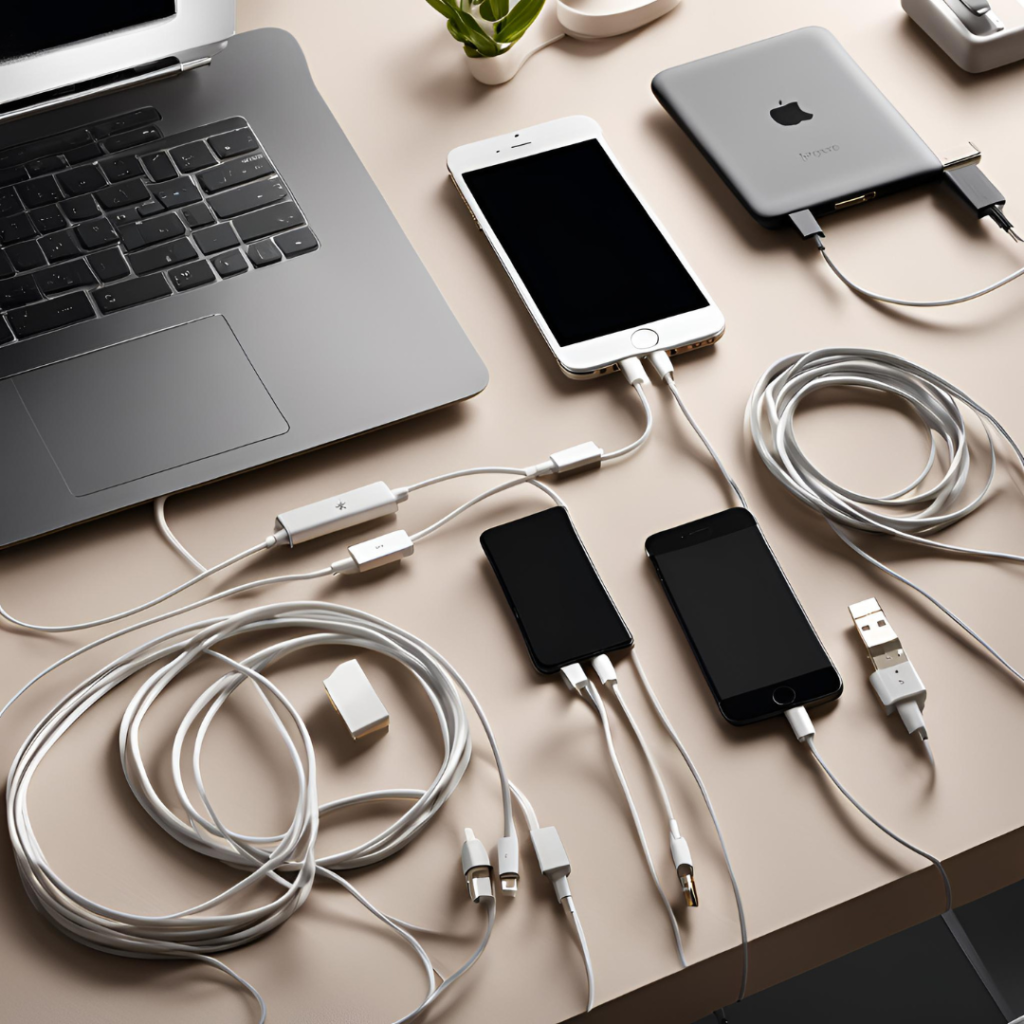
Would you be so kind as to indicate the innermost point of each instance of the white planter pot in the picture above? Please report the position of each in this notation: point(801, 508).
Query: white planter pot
point(497, 70)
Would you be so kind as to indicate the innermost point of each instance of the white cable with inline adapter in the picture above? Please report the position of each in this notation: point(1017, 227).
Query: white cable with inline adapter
point(371, 502)
point(194, 933)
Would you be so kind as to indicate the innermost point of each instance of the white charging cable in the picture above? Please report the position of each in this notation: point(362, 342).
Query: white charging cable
point(706, 796)
point(576, 680)
point(553, 862)
point(290, 858)
point(803, 729)
point(662, 366)
point(915, 512)
point(917, 303)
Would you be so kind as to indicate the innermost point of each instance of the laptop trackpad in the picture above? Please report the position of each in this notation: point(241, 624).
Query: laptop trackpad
point(149, 404)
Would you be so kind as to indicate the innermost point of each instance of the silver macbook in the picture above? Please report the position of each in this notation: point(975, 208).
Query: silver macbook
point(792, 123)
point(197, 275)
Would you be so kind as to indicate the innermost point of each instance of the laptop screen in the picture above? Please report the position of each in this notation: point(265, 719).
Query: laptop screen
point(31, 27)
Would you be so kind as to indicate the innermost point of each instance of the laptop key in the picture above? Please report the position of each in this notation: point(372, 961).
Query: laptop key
point(129, 140)
point(5, 332)
point(159, 167)
point(121, 123)
point(268, 222)
point(9, 202)
point(235, 172)
point(82, 154)
point(95, 234)
point(6, 267)
point(295, 243)
point(230, 263)
point(47, 219)
point(9, 175)
point(159, 229)
point(121, 168)
point(44, 165)
point(216, 239)
point(162, 256)
point(39, 191)
point(26, 255)
point(193, 156)
point(80, 180)
point(59, 246)
point(234, 143)
point(109, 265)
point(262, 254)
point(63, 278)
point(130, 293)
point(124, 193)
point(16, 229)
point(248, 197)
point(18, 292)
point(198, 216)
point(178, 192)
point(43, 147)
point(80, 208)
point(191, 276)
point(48, 316)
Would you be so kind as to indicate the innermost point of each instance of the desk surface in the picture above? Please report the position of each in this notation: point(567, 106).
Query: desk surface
point(817, 881)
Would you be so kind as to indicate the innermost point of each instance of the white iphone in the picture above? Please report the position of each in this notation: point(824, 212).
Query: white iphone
point(599, 274)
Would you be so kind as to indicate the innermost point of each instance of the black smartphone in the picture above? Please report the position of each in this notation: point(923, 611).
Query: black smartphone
point(752, 639)
point(559, 602)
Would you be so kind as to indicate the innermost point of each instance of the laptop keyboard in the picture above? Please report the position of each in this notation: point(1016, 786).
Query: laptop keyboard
point(106, 217)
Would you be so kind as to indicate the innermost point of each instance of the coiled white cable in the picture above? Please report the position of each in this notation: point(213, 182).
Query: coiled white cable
point(916, 511)
point(290, 858)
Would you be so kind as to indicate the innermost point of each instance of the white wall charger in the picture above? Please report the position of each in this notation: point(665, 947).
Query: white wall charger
point(978, 35)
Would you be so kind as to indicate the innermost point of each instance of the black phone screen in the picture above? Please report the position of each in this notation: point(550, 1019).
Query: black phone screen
point(559, 602)
point(753, 641)
point(585, 247)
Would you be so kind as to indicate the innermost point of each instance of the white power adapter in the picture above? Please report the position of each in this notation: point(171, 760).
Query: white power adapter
point(978, 35)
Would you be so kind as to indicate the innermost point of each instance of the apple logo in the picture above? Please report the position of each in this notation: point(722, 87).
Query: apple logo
point(789, 114)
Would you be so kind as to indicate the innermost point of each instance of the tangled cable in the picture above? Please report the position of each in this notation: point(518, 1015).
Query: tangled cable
point(914, 512)
point(289, 859)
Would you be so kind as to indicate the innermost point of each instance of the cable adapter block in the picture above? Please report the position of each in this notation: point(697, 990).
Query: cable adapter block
point(895, 680)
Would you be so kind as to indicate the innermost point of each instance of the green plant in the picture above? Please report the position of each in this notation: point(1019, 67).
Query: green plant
point(487, 28)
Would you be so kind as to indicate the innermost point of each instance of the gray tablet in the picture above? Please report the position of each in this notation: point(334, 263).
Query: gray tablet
point(792, 123)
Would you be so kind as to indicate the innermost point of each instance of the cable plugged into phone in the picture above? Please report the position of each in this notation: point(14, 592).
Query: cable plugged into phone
point(678, 847)
point(895, 679)
point(803, 729)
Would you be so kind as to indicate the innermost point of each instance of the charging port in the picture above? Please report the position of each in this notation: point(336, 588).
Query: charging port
point(855, 201)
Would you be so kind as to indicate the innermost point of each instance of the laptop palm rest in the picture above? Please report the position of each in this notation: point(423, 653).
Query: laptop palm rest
point(149, 404)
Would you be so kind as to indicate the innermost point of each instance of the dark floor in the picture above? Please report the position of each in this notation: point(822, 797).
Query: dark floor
point(924, 974)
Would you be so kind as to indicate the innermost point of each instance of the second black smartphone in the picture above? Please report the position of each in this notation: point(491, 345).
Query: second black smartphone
point(753, 641)
point(559, 602)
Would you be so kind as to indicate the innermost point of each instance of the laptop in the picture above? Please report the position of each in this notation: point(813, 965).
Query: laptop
point(197, 275)
point(792, 123)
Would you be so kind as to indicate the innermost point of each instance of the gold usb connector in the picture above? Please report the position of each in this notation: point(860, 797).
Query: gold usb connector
point(883, 645)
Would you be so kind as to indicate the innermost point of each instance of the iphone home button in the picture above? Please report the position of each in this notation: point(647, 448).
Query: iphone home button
point(645, 338)
point(784, 695)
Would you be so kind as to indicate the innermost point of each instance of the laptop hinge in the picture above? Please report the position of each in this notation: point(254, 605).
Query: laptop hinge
point(98, 87)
